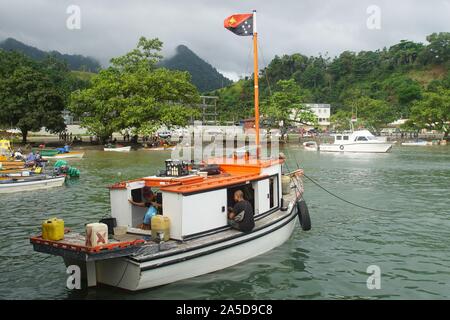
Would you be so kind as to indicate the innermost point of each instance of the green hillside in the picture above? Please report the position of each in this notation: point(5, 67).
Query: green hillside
point(74, 61)
point(204, 76)
point(397, 76)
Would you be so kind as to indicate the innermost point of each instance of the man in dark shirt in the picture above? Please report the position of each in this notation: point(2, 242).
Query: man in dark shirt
point(240, 216)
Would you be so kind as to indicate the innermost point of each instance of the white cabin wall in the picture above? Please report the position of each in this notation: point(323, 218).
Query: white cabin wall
point(203, 211)
point(172, 208)
point(120, 207)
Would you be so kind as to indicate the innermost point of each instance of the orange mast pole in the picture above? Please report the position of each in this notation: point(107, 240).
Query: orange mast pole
point(256, 71)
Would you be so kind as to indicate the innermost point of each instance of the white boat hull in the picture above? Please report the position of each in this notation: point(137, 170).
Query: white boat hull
point(77, 155)
point(133, 275)
point(32, 185)
point(121, 149)
point(357, 147)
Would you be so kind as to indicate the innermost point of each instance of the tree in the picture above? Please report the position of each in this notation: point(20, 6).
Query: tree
point(29, 97)
point(286, 106)
point(133, 93)
point(438, 49)
point(432, 112)
point(373, 113)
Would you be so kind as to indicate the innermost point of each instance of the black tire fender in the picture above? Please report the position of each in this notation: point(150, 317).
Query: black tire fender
point(303, 215)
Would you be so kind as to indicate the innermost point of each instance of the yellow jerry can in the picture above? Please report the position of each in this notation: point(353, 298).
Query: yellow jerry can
point(53, 229)
point(160, 227)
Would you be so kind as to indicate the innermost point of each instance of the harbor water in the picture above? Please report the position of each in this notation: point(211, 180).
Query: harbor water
point(410, 244)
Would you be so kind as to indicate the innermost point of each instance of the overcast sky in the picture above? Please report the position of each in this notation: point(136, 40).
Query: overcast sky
point(112, 27)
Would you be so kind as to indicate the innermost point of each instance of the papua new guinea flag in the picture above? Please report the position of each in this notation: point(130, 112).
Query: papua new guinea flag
point(240, 24)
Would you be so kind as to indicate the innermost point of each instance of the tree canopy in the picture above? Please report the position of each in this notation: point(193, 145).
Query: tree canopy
point(133, 93)
point(32, 94)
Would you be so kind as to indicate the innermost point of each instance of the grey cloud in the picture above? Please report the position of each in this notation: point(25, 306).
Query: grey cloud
point(110, 28)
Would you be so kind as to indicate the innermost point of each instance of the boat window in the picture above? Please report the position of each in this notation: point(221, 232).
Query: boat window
point(345, 137)
point(361, 139)
point(338, 137)
point(136, 195)
point(273, 192)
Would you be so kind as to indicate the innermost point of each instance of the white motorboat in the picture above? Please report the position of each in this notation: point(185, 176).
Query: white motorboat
point(310, 145)
point(357, 141)
point(118, 149)
point(19, 184)
point(419, 143)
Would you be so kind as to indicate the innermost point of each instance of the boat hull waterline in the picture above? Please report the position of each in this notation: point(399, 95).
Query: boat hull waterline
point(357, 147)
point(74, 155)
point(121, 149)
point(134, 275)
point(25, 185)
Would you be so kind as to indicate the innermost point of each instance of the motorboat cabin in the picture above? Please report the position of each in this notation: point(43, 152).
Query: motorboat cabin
point(357, 141)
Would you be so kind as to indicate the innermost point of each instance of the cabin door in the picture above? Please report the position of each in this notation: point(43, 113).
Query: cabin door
point(263, 196)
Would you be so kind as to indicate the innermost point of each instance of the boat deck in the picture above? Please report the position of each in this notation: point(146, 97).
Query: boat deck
point(139, 248)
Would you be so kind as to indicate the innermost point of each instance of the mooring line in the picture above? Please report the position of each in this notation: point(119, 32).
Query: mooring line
point(335, 195)
point(344, 200)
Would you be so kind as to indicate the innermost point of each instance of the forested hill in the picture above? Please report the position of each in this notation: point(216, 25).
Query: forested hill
point(204, 76)
point(74, 62)
point(398, 76)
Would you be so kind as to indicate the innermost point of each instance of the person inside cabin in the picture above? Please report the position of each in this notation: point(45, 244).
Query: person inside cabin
point(240, 216)
point(149, 202)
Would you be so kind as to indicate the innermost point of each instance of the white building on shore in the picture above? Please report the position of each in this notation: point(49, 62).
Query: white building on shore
point(322, 112)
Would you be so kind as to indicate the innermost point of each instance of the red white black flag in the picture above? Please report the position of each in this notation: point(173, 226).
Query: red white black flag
point(240, 24)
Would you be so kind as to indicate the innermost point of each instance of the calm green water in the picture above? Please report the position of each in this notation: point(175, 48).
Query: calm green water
point(412, 247)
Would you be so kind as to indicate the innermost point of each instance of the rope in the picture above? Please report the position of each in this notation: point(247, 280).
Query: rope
point(339, 197)
point(265, 70)
point(344, 200)
point(123, 274)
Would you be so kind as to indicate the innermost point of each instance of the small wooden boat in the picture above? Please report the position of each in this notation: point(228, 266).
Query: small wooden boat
point(20, 184)
point(118, 149)
point(71, 154)
point(310, 145)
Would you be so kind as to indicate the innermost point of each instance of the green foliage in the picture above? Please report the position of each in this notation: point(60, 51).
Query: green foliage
point(286, 106)
point(133, 93)
point(374, 113)
point(32, 94)
point(432, 112)
point(392, 79)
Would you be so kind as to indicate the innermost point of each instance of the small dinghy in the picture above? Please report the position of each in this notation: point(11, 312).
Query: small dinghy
point(310, 145)
point(117, 149)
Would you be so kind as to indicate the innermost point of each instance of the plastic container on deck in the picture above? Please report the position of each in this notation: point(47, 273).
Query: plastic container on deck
point(53, 229)
point(160, 228)
point(96, 234)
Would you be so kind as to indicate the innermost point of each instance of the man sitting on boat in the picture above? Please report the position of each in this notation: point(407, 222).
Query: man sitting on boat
point(240, 217)
point(150, 203)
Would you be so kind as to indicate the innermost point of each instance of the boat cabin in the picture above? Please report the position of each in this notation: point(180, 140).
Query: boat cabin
point(197, 201)
point(357, 136)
